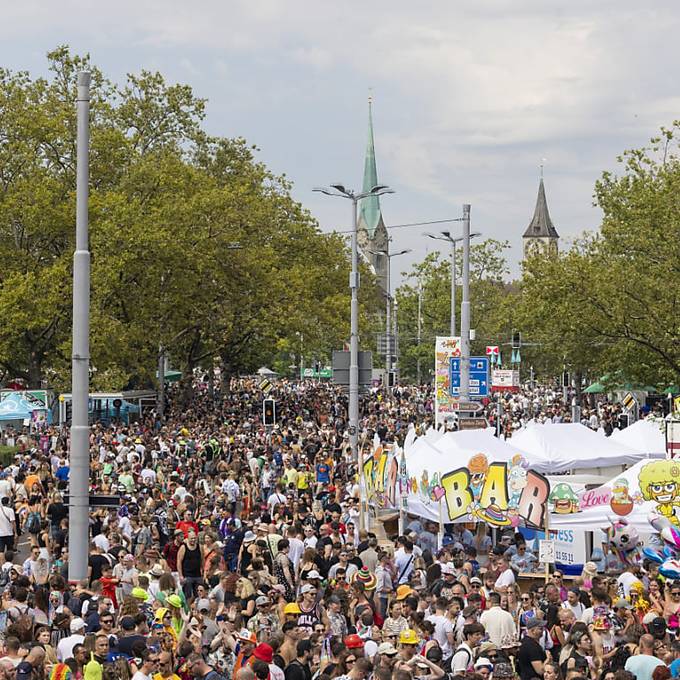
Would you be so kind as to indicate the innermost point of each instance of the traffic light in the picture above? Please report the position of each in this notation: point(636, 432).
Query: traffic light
point(269, 412)
point(516, 339)
point(565, 379)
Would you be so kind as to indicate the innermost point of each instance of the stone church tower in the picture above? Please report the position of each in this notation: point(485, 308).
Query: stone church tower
point(541, 235)
point(372, 234)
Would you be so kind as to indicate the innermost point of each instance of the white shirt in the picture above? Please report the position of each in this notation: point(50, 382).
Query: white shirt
point(141, 676)
point(66, 645)
point(442, 628)
point(275, 673)
point(499, 625)
point(102, 542)
point(6, 521)
point(297, 547)
point(274, 499)
point(5, 488)
point(506, 578)
point(403, 562)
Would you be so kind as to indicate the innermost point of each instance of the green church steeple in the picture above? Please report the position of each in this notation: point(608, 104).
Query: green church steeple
point(369, 213)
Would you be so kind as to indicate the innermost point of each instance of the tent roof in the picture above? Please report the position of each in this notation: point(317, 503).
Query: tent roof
point(643, 436)
point(566, 446)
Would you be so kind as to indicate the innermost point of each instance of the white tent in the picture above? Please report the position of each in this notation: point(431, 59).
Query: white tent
point(567, 446)
point(643, 436)
point(429, 458)
point(620, 497)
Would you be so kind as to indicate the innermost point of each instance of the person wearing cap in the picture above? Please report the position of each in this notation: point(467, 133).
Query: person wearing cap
point(77, 636)
point(311, 611)
point(386, 656)
point(484, 667)
point(354, 643)
point(264, 623)
point(264, 653)
point(336, 618)
point(247, 643)
point(408, 647)
point(531, 655)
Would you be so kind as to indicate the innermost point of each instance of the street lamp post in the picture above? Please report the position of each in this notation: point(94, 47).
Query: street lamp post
point(339, 191)
point(465, 310)
point(388, 325)
point(446, 236)
point(79, 459)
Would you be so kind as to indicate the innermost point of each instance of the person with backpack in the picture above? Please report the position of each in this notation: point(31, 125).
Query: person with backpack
point(463, 659)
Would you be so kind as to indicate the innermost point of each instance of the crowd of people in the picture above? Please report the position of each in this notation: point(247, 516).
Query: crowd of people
point(237, 551)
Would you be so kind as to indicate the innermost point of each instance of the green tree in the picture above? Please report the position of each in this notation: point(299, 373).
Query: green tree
point(489, 294)
point(197, 248)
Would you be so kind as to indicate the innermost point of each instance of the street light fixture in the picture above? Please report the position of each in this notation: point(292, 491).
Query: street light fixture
point(446, 236)
point(342, 192)
point(388, 325)
point(338, 190)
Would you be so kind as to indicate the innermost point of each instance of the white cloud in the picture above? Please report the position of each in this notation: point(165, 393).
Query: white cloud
point(469, 96)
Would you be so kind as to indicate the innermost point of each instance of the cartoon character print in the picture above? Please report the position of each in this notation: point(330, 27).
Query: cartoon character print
point(517, 480)
point(621, 502)
point(660, 482)
point(478, 467)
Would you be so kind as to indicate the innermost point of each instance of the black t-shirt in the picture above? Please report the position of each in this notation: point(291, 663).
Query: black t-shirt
point(97, 562)
point(529, 651)
point(297, 671)
point(125, 643)
point(56, 512)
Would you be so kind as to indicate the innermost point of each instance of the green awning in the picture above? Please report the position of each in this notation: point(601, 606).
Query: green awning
point(595, 388)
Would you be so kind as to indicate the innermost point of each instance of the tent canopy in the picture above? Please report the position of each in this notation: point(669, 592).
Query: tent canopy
point(563, 447)
point(19, 406)
point(643, 436)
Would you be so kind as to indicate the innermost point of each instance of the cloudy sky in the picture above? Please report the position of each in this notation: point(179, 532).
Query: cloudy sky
point(469, 96)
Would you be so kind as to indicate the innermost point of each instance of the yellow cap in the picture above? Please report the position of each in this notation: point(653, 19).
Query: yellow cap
point(292, 608)
point(408, 637)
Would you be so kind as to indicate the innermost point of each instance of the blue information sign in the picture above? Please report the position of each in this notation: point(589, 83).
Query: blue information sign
point(479, 376)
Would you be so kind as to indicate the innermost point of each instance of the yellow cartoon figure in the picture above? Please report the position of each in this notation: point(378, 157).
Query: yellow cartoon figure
point(660, 482)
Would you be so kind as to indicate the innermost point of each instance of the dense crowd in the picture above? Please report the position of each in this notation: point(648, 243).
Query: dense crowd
point(237, 551)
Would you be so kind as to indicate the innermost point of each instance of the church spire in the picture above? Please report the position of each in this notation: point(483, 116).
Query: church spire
point(369, 214)
point(541, 225)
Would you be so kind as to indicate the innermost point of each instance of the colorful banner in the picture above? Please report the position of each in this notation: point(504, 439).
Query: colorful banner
point(446, 348)
point(500, 494)
point(649, 487)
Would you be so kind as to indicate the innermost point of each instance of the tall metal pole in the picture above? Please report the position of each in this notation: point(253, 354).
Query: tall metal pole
point(354, 339)
point(388, 322)
point(420, 328)
point(161, 383)
point(453, 288)
point(79, 477)
point(465, 311)
point(395, 366)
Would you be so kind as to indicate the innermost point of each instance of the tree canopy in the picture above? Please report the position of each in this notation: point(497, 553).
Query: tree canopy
point(197, 248)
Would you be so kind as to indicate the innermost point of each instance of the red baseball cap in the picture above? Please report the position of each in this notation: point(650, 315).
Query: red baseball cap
point(354, 642)
point(263, 652)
